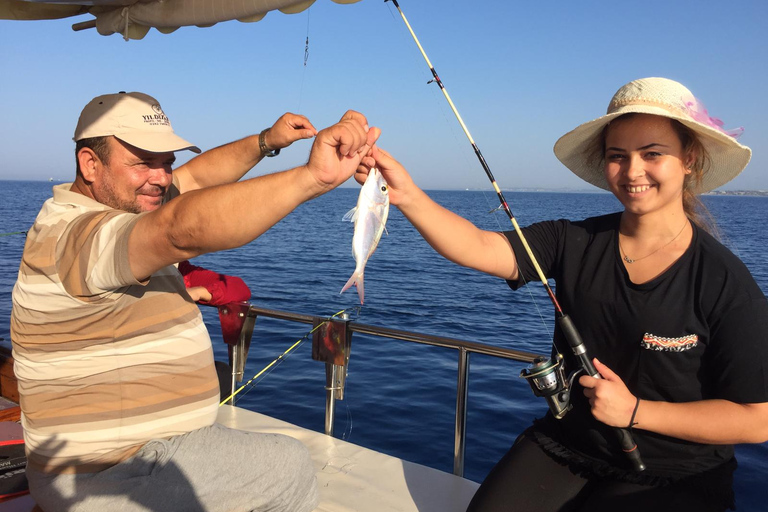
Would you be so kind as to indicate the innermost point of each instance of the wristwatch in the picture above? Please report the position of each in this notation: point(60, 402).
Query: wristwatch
point(263, 146)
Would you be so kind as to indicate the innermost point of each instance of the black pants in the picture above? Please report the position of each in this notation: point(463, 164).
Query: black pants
point(526, 479)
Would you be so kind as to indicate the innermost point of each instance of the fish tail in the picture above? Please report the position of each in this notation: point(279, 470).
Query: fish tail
point(357, 280)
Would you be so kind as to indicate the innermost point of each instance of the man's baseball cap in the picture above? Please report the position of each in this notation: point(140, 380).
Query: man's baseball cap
point(132, 117)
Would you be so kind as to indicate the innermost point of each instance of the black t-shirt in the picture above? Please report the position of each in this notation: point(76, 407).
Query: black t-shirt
point(698, 331)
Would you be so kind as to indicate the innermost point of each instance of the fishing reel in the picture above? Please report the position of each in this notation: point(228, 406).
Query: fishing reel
point(547, 379)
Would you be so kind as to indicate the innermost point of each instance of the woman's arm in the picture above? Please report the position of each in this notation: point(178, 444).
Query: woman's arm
point(705, 421)
point(451, 235)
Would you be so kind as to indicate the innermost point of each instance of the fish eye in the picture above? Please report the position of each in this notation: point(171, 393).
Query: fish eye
point(383, 188)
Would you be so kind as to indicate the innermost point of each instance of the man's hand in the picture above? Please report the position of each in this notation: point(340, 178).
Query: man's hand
point(339, 149)
point(611, 401)
point(287, 130)
point(199, 293)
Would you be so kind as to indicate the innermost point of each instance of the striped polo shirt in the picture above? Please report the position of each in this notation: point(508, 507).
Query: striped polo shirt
point(104, 362)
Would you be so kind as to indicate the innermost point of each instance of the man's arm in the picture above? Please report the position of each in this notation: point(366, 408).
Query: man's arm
point(228, 216)
point(230, 162)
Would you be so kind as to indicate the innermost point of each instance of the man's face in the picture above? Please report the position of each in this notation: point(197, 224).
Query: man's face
point(133, 180)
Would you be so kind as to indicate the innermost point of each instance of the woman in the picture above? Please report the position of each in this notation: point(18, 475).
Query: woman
point(677, 325)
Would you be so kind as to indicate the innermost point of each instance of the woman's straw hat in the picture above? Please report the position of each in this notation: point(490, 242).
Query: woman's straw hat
point(667, 98)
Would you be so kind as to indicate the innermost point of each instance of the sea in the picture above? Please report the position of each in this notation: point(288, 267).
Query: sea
point(400, 397)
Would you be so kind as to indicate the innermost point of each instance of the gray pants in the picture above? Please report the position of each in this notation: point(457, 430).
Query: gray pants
point(208, 470)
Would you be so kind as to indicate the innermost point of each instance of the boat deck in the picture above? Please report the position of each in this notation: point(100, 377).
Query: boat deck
point(350, 478)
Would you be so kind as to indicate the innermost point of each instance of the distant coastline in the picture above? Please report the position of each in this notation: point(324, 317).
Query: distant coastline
point(759, 193)
point(738, 193)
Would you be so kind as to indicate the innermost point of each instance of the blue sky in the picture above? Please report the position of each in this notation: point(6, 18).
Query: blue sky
point(521, 74)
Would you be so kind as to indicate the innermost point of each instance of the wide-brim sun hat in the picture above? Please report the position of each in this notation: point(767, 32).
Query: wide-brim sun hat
point(132, 117)
point(666, 98)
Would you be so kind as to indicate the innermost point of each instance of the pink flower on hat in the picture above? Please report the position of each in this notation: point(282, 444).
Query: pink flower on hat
point(698, 113)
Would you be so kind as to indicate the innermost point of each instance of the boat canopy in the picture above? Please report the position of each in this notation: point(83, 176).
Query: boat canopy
point(134, 18)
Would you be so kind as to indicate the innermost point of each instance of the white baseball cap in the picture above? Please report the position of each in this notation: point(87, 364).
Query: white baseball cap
point(132, 117)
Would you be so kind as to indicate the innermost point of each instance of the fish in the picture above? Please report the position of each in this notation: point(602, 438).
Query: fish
point(370, 218)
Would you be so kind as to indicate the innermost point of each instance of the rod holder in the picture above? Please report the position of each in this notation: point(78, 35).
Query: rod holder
point(331, 344)
point(237, 325)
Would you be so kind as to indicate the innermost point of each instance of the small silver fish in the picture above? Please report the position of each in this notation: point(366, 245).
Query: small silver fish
point(370, 217)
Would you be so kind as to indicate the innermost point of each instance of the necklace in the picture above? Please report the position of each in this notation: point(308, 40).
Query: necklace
point(630, 260)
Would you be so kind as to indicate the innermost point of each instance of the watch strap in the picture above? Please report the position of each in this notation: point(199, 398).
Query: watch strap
point(263, 146)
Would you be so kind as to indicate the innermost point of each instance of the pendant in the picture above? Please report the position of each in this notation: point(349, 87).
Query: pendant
point(628, 260)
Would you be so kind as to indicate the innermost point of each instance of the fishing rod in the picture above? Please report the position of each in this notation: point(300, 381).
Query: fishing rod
point(546, 377)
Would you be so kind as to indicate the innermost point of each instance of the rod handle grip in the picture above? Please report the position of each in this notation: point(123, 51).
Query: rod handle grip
point(572, 336)
point(629, 447)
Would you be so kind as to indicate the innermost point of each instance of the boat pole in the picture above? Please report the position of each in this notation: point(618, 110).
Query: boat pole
point(567, 326)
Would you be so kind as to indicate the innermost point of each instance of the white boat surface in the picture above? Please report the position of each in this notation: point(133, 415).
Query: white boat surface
point(354, 478)
point(350, 478)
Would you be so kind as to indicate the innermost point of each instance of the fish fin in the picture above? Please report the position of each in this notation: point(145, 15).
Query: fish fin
point(378, 217)
point(357, 280)
point(385, 230)
point(351, 215)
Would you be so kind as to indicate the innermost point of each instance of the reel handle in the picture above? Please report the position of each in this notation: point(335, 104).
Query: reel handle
point(628, 445)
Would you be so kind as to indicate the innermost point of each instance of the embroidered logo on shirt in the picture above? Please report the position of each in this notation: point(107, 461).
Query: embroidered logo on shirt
point(653, 342)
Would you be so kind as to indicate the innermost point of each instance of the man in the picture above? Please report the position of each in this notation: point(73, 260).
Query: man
point(116, 375)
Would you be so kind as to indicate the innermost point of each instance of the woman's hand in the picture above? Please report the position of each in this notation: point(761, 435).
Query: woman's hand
point(713, 421)
point(400, 183)
point(609, 398)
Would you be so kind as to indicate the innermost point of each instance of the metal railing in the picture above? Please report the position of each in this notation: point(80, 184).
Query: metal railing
point(335, 373)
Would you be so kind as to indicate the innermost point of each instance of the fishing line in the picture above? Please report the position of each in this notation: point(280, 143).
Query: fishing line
point(281, 357)
point(487, 169)
point(347, 434)
point(418, 68)
point(522, 277)
point(568, 328)
point(306, 58)
point(264, 376)
point(306, 42)
point(503, 206)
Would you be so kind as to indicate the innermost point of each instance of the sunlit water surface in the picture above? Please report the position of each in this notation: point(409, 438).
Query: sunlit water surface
point(400, 397)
